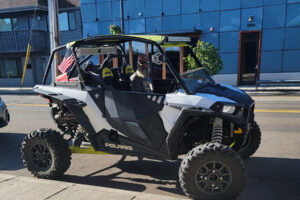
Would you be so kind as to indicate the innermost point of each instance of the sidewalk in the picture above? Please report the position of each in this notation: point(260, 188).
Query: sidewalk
point(30, 188)
point(272, 90)
point(251, 90)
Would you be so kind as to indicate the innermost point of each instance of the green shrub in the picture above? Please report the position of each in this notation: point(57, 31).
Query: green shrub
point(208, 56)
point(115, 30)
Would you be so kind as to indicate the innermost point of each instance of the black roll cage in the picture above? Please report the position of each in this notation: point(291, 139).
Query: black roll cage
point(98, 40)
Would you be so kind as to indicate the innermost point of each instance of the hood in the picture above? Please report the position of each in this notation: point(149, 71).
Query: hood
point(229, 92)
point(198, 100)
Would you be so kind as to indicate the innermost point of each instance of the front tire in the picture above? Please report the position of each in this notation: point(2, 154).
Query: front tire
point(212, 171)
point(46, 153)
point(252, 142)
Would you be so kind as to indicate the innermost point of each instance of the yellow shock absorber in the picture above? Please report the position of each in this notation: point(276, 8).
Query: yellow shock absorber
point(232, 144)
point(238, 131)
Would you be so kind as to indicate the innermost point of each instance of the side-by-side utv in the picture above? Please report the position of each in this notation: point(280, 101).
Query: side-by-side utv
point(189, 114)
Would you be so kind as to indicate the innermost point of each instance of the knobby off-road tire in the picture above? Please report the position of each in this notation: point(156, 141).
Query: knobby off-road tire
point(252, 142)
point(46, 153)
point(212, 171)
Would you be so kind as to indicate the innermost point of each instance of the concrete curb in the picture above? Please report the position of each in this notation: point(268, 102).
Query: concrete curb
point(29, 188)
point(273, 93)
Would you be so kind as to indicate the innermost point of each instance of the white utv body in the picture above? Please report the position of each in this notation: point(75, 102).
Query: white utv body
point(212, 124)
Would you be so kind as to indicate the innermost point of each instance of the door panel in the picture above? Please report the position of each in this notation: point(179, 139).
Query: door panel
point(135, 114)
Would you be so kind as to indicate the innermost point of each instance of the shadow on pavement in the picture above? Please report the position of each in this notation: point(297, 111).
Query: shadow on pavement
point(267, 178)
point(135, 176)
point(10, 151)
point(272, 178)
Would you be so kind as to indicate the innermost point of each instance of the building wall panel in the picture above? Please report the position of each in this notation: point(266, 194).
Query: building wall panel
point(271, 62)
point(272, 39)
point(230, 62)
point(230, 20)
point(293, 1)
point(293, 16)
point(136, 25)
point(190, 6)
point(171, 7)
point(116, 10)
point(91, 10)
point(292, 38)
point(104, 11)
point(256, 13)
point(190, 22)
point(251, 3)
point(228, 5)
point(153, 24)
point(274, 2)
point(210, 5)
point(208, 20)
point(134, 8)
point(90, 29)
point(212, 38)
point(153, 8)
point(229, 42)
point(274, 16)
point(171, 23)
point(103, 27)
point(291, 61)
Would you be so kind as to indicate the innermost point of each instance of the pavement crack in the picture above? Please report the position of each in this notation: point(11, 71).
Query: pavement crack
point(57, 192)
point(133, 197)
point(7, 179)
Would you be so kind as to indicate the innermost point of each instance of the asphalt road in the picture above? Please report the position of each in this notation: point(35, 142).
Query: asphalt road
point(273, 172)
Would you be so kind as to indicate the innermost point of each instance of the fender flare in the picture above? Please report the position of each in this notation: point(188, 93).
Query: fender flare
point(186, 118)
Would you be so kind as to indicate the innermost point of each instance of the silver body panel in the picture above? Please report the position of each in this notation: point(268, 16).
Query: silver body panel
point(91, 110)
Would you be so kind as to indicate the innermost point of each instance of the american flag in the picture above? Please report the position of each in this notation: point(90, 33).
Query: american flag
point(67, 62)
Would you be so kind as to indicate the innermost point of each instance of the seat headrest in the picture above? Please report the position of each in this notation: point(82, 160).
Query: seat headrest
point(128, 70)
point(106, 72)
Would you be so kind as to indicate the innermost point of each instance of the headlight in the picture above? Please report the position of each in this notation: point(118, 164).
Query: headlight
point(228, 109)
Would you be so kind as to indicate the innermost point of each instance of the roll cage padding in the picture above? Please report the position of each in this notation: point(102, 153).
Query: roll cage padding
point(106, 75)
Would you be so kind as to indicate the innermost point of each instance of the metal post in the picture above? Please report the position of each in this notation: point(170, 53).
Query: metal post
point(181, 62)
point(54, 32)
point(122, 15)
point(50, 34)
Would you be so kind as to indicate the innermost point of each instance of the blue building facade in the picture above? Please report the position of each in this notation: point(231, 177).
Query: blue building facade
point(255, 38)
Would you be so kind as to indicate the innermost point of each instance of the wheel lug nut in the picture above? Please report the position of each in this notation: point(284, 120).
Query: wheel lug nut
point(214, 171)
point(205, 178)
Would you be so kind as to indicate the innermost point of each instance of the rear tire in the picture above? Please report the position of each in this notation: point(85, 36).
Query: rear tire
point(252, 142)
point(46, 153)
point(212, 171)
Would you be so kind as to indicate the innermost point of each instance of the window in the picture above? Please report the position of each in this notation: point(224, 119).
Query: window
point(5, 24)
point(67, 21)
point(10, 68)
